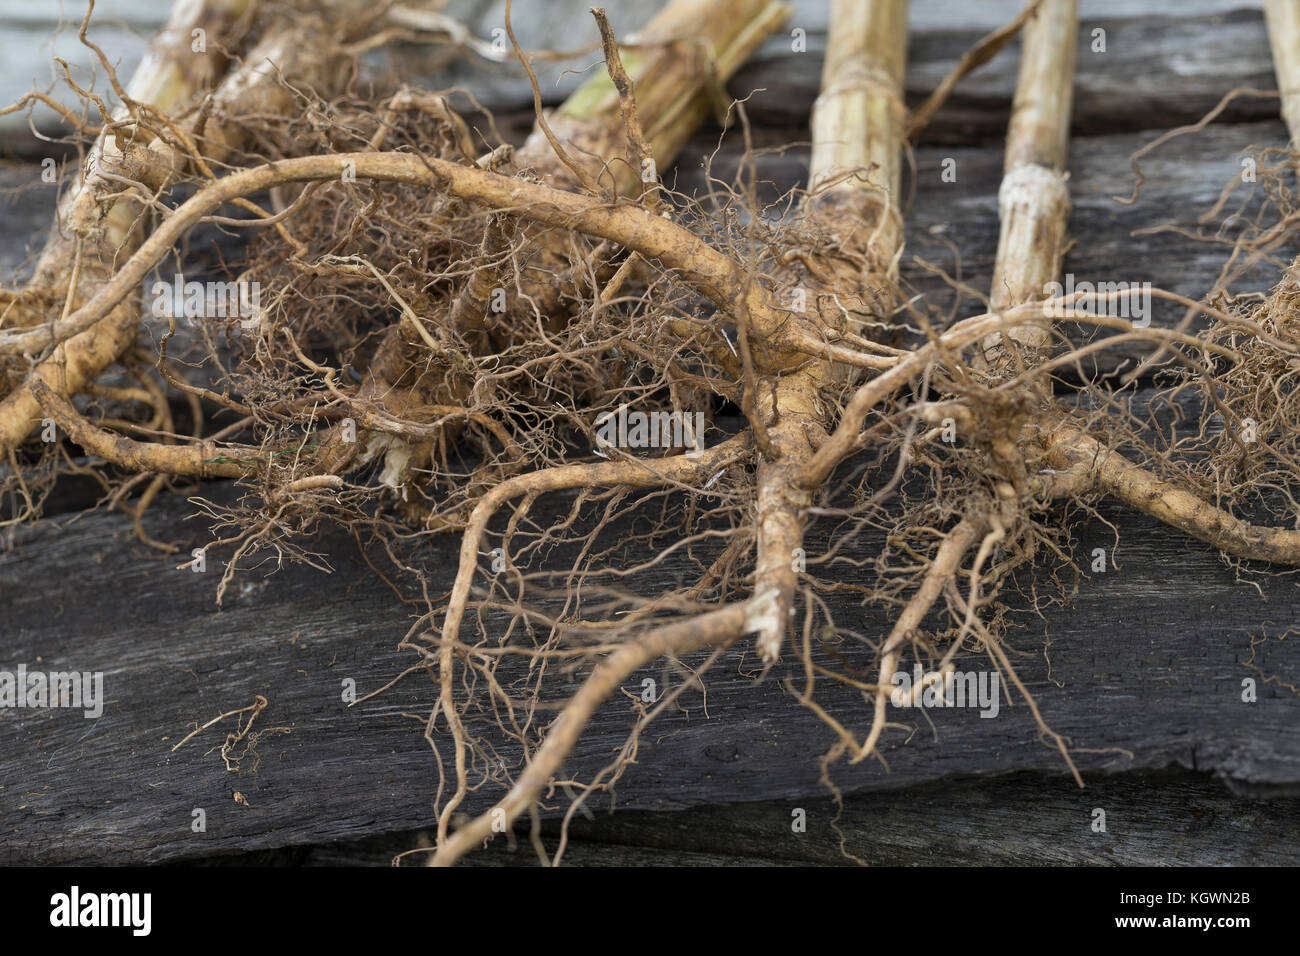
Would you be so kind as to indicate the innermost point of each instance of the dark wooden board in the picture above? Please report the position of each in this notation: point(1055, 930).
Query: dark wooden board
point(1157, 68)
point(1149, 658)
point(1151, 820)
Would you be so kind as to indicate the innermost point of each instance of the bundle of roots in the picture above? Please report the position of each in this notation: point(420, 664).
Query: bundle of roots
point(443, 329)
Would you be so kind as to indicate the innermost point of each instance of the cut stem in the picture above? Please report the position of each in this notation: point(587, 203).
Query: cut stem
point(1282, 18)
point(857, 136)
point(857, 126)
point(1034, 202)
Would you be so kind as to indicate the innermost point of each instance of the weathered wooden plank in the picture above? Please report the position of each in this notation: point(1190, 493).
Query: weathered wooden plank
point(1165, 819)
point(33, 34)
point(1149, 658)
point(1157, 70)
